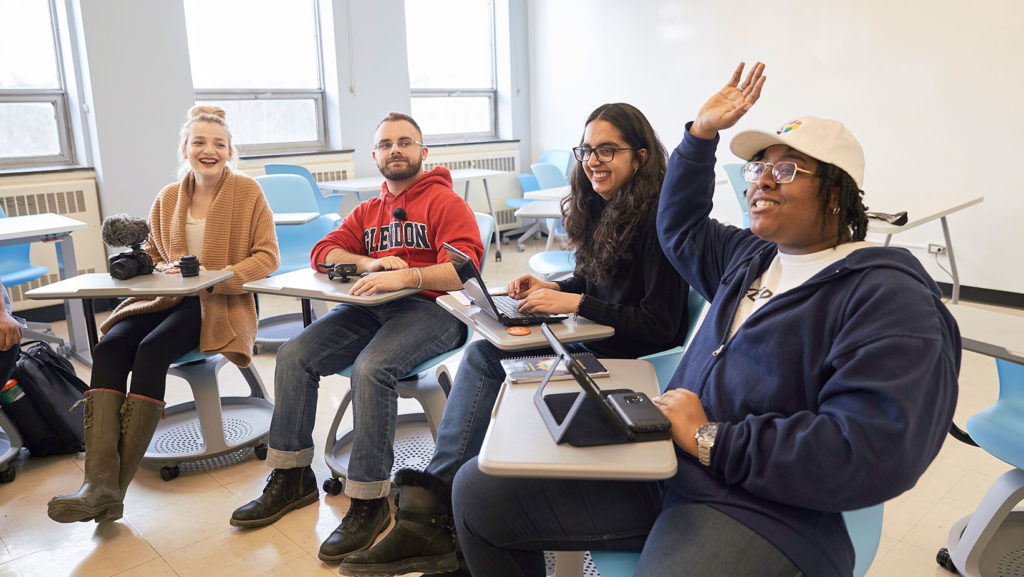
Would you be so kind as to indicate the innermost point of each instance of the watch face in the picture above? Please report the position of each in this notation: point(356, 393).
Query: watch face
point(706, 434)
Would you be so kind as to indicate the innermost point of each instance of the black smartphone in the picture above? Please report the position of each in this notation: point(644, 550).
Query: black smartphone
point(638, 412)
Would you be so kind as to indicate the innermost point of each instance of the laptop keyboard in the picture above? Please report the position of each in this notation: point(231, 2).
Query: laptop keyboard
point(507, 306)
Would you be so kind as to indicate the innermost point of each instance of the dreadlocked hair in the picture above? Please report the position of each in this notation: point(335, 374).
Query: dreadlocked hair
point(853, 218)
point(600, 238)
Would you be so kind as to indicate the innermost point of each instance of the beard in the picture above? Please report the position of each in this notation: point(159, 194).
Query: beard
point(412, 168)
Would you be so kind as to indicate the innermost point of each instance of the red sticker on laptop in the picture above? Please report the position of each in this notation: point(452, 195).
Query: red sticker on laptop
point(518, 331)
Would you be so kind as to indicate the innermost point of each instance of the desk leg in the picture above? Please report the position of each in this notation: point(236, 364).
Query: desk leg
point(73, 311)
point(307, 313)
point(952, 261)
point(888, 238)
point(490, 206)
point(551, 234)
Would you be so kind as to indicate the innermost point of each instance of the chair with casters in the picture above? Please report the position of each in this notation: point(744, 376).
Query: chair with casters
point(552, 264)
point(560, 157)
point(209, 426)
point(16, 268)
point(739, 188)
point(528, 182)
point(990, 542)
point(329, 205)
point(428, 382)
point(291, 193)
point(548, 175)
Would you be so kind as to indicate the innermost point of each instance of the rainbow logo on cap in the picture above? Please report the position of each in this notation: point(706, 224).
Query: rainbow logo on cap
point(789, 127)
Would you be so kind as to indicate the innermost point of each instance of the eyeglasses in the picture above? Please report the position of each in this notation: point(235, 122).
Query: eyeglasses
point(403, 143)
point(604, 153)
point(782, 172)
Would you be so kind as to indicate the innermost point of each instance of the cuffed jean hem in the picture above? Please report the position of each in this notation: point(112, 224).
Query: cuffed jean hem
point(366, 489)
point(277, 459)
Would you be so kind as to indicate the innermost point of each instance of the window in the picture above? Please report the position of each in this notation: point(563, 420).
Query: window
point(260, 61)
point(451, 67)
point(33, 104)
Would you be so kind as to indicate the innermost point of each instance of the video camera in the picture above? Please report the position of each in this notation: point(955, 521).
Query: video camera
point(342, 271)
point(125, 230)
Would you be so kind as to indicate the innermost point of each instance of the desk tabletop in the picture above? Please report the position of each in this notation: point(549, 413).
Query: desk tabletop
point(556, 194)
point(919, 210)
point(518, 444)
point(282, 218)
point(991, 333)
point(373, 183)
point(308, 284)
point(540, 209)
point(102, 285)
point(16, 227)
point(567, 331)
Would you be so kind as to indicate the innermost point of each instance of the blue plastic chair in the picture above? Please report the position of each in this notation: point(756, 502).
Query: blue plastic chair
point(548, 175)
point(328, 204)
point(288, 193)
point(864, 525)
point(739, 188)
point(528, 182)
point(992, 535)
point(552, 263)
point(16, 268)
point(560, 157)
point(430, 390)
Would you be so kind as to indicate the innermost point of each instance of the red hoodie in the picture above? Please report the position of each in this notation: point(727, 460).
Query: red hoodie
point(434, 214)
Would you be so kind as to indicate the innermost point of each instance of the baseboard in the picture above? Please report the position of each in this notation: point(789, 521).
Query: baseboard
point(986, 296)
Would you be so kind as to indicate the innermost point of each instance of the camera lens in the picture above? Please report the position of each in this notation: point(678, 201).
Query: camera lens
point(124, 268)
point(189, 265)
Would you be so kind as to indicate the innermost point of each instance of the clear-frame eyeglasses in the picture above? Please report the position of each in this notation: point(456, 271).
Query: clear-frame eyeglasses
point(403, 144)
point(782, 172)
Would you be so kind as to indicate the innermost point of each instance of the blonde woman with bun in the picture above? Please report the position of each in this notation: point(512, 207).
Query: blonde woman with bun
point(223, 218)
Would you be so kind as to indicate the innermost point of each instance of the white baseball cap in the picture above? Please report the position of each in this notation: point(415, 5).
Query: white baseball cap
point(820, 138)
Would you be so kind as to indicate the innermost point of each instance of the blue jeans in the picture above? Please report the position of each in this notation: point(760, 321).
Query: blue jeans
point(504, 526)
point(383, 342)
point(468, 410)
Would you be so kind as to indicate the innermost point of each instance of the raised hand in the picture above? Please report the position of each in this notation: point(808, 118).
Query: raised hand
point(729, 104)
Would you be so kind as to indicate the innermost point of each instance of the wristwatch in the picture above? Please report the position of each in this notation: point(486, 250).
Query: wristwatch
point(705, 436)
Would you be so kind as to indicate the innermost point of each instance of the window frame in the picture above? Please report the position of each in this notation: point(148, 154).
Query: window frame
point(490, 93)
point(319, 96)
point(58, 97)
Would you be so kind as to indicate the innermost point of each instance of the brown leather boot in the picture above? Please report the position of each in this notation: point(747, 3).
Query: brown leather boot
point(99, 497)
point(139, 418)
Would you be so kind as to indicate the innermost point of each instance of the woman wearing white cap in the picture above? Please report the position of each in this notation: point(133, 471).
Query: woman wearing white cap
point(822, 380)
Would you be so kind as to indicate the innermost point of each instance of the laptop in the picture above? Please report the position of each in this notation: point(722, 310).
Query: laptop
point(502, 308)
point(588, 418)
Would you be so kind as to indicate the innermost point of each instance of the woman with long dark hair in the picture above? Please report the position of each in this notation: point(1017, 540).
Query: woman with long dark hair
point(622, 279)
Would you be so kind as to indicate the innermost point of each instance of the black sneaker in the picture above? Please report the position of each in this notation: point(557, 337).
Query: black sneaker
point(286, 489)
point(364, 521)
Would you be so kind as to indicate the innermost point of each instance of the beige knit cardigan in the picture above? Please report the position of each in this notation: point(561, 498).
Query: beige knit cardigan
point(239, 237)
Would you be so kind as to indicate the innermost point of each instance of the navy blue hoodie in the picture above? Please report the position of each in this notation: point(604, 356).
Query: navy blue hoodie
point(835, 395)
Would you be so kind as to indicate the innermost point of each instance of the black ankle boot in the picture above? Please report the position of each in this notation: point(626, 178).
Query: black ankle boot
point(364, 521)
point(422, 540)
point(286, 489)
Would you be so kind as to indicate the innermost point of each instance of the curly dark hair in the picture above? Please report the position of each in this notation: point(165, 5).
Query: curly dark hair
point(853, 218)
point(600, 238)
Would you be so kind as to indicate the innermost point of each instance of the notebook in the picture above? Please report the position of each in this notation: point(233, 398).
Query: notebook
point(502, 308)
point(584, 419)
point(520, 370)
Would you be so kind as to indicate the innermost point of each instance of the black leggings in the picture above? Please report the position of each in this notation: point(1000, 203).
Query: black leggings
point(146, 345)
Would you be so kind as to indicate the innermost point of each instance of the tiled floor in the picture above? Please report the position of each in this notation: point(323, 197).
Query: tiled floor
point(180, 528)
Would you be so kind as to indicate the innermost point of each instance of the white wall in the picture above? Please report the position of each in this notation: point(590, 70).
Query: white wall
point(931, 90)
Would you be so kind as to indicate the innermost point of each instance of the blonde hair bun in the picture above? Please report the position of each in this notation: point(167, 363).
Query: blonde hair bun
point(204, 110)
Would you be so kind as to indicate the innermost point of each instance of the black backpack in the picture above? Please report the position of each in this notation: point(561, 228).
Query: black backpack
point(43, 414)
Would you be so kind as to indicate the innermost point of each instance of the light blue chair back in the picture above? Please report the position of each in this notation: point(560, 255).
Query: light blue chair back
point(549, 175)
point(15, 265)
point(328, 204)
point(288, 193)
point(295, 242)
point(739, 188)
point(528, 181)
point(486, 224)
point(560, 157)
point(999, 428)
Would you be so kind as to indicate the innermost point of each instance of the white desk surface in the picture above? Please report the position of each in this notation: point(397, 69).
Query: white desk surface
point(308, 284)
point(373, 183)
point(567, 331)
point(518, 444)
point(989, 332)
point(34, 225)
point(540, 209)
point(101, 284)
point(556, 194)
point(294, 217)
point(919, 210)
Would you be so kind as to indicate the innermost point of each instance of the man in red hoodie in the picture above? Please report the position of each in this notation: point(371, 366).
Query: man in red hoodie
point(396, 236)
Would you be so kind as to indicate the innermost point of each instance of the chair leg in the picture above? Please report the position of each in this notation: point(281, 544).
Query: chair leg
point(1002, 497)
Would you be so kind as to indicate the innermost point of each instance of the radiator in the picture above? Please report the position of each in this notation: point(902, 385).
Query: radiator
point(74, 198)
point(335, 166)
